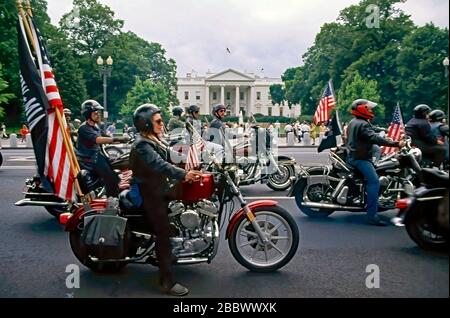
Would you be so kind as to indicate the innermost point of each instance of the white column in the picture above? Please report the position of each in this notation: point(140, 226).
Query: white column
point(237, 108)
point(206, 107)
point(222, 94)
point(252, 100)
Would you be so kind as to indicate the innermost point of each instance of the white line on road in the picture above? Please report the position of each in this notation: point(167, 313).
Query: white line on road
point(18, 168)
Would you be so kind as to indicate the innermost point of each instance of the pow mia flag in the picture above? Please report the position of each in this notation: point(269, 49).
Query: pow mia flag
point(35, 102)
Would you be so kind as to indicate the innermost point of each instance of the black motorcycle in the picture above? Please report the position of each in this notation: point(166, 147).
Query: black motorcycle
point(425, 213)
point(36, 195)
point(321, 190)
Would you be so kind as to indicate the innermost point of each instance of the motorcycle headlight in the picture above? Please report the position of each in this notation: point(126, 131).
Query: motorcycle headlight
point(417, 153)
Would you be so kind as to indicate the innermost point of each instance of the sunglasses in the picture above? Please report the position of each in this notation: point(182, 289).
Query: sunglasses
point(222, 111)
point(158, 121)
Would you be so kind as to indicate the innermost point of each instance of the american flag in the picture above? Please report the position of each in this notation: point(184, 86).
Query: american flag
point(326, 105)
point(396, 131)
point(195, 149)
point(57, 162)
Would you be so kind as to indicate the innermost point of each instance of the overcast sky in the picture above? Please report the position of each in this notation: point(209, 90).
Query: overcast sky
point(264, 36)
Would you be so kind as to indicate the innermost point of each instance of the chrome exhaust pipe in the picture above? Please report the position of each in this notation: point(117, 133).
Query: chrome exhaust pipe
point(329, 206)
point(193, 260)
point(28, 202)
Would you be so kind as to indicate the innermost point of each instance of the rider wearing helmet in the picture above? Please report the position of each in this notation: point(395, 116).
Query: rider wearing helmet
point(149, 161)
point(176, 122)
point(361, 137)
point(419, 129)
point(88, 147)
point(439, 128)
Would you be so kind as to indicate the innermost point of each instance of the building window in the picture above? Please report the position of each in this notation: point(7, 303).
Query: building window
point(281, 111)
point(269, 96)
point(197, 95)
point(228, 95)
point(258, 95)
point(269, 111)
point(214, 95)
point(241, 95)
point(186, 95)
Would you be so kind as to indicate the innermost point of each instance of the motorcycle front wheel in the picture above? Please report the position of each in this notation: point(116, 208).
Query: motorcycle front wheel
point(249, 250)
point(1, 159)
point(281, 182)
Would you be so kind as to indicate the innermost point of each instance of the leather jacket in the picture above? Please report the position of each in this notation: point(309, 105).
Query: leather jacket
point(420, 132)
point(150, 165)
point(361, 136)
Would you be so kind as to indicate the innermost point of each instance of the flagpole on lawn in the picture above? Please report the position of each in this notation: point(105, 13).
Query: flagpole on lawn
point(75, 168)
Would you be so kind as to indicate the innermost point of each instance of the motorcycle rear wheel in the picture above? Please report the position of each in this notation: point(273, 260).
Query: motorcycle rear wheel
point(81, 253)
point(246, 246)
point(282, 182)
point(311, 212)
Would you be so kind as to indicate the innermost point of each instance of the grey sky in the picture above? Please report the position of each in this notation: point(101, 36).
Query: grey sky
point(261, 34)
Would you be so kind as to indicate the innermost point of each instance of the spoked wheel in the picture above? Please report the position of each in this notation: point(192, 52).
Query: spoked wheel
point(81, 252)
point(313, 193)
point(281, 182)
point(283, 239)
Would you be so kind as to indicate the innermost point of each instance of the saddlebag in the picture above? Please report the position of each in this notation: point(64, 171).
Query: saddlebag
point(105, 236)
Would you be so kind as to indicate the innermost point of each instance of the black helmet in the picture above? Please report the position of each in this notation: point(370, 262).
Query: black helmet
point(177, 111)
point(437, 115)
point(89, 106)
point(218, 107)
point(193, 108)
point(142, 117)
point(421, 111)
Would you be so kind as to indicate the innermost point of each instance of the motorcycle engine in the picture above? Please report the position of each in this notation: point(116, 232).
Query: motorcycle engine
point(195, 224)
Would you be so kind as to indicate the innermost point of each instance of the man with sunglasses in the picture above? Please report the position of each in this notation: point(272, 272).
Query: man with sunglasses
point(90, 138)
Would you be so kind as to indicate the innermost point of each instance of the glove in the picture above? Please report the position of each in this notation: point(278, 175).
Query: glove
point(123, 139)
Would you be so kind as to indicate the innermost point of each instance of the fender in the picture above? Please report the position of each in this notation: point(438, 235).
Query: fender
point(71, 220)
point(240, 214)
point(286, 160)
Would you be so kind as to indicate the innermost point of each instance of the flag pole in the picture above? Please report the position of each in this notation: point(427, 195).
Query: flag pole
point(75, 168)
point(28, 8)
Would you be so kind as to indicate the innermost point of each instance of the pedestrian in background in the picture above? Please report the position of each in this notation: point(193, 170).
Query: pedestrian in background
point(23, 132)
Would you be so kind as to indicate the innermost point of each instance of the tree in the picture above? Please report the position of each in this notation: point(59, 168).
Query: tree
point(277, 93)
point(89, 26)
point(355, 87)
point(146, 92)
point(4, 97)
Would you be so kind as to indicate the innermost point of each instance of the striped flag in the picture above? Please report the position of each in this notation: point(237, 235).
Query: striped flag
point(195, 149)
point(326, 105)
point(57, 163)
point(396, 131)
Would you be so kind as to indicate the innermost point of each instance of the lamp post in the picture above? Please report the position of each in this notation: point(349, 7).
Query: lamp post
point(445, 62)
point(105, 71)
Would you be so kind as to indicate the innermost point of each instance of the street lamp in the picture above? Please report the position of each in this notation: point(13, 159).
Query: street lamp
point(445, 62)
point(105, 71)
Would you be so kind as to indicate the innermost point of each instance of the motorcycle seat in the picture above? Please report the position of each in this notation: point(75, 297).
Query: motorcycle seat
point(434, 177)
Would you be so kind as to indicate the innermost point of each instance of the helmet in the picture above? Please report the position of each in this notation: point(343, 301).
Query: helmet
point(218, 107)
point(363, 108)
point(193, 108)
point(421, 111)
point(177, 111)
point(89, 106)
point(142, 117)
point(437, 115)
point(67, 112)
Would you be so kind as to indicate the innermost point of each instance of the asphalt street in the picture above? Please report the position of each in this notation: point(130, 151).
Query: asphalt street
point(331, 260)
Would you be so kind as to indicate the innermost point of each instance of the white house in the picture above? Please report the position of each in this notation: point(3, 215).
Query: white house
point(224, 88)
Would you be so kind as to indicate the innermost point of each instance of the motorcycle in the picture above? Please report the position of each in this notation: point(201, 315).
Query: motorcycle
point(262, 236)
point(425, 213)
point(319, 191)
point(36, 195)
point(1, 159)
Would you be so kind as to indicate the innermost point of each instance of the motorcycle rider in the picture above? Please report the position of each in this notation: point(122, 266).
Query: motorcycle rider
point(193, 118)
point(150, 166)
point(88, 147)
point(419, 129)
point(176, 122)
point(439, 128)
point(360, 140)
point(70, 126)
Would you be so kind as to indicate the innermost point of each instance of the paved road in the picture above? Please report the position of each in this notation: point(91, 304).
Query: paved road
point(331, 260)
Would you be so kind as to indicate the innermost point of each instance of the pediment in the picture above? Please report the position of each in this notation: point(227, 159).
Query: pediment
point(230, 75)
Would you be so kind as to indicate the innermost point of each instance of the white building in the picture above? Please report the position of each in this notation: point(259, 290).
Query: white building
point(224, 87)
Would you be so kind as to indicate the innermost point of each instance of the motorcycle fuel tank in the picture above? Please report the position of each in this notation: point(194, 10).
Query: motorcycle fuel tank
point(197, 190)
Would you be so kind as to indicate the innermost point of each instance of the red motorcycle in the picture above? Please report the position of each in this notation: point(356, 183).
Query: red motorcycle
point(106, 235)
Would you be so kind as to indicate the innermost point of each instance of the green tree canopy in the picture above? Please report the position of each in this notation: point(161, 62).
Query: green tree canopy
point(4, 97)
point(146, 92)
point(277, 93)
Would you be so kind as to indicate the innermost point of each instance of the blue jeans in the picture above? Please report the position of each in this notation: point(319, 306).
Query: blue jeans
point(372, 183)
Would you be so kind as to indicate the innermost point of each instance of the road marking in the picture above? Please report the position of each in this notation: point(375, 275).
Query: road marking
point(21, 158)
point(18, 168)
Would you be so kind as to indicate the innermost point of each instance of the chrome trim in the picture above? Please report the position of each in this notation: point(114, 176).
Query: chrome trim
point(28, 202)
